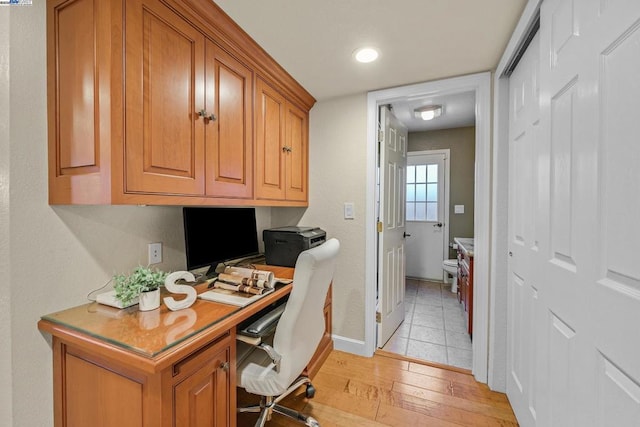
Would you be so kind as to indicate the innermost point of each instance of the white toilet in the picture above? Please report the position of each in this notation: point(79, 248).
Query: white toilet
point(451, 266)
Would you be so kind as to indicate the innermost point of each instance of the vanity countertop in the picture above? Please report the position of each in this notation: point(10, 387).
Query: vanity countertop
point(465, 244)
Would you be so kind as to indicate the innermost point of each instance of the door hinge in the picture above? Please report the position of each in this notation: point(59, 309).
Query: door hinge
point(380, 135)
point(379, 226)
point(378, 317)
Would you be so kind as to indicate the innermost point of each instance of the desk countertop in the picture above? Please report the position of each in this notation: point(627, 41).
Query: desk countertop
point(151, 333)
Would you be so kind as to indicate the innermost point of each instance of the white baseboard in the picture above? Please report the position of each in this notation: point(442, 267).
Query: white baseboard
point(349, 345)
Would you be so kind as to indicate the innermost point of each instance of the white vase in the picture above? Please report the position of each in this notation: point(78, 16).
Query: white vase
point(149, 300)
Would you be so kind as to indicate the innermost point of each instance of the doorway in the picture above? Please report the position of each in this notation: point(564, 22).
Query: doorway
point(427, 213)
point(480, 85)
point(434, 328)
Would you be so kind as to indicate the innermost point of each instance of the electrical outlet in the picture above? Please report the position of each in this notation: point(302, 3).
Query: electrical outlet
point(155, 253)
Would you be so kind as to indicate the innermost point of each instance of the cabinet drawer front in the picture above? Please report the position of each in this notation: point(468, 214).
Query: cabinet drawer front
point(201, 356)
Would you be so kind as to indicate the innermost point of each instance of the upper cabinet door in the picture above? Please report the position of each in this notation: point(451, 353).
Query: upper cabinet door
point(228, 128)
point(296, 153)
point(159, 102)
point(164, 93)
point(79, 83)
point(270, 142)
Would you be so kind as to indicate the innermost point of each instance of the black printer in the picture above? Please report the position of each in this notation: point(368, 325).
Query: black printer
point(282, 245)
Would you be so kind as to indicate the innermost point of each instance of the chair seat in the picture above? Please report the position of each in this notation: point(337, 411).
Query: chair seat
point(256, 372)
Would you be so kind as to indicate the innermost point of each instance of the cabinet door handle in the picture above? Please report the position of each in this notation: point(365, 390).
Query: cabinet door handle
point(207, 116)
point(225, 366)
point(286, 149)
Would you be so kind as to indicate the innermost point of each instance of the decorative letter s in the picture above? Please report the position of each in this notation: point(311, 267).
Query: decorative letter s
point(170, 284)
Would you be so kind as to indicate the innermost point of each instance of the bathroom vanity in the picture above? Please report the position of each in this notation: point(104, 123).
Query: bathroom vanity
point(465, 279)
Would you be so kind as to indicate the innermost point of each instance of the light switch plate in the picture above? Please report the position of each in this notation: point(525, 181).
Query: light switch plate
point(349, 211)
point(459, 209)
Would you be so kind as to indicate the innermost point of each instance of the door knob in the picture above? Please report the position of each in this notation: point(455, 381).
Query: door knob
point(439, 225)
point(405, 235)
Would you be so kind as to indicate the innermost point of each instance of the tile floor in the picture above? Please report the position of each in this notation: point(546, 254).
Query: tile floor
point(433, 327)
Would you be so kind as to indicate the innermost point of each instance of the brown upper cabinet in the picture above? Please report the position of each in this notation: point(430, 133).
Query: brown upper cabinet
point(158, 102)
point(281, 145)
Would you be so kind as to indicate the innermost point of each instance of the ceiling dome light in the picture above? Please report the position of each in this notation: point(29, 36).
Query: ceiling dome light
point(429, 112)
point(366, 54)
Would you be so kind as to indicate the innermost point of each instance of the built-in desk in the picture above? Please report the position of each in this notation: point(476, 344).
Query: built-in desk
point(160, 368)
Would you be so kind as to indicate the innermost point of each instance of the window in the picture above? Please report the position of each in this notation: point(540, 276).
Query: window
point(422, 192)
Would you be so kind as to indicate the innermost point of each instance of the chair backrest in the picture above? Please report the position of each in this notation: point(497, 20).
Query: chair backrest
point(301, 326)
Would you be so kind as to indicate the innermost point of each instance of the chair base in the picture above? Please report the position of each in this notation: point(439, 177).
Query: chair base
point(269, 404)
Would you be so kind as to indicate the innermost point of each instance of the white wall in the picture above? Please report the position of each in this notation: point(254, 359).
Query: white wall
point(5, 289)
point(337, 174)
point(57, 254)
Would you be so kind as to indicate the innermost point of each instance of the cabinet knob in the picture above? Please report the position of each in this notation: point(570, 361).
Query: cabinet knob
point(286, 149)
point(207, 116)
point(225, 366)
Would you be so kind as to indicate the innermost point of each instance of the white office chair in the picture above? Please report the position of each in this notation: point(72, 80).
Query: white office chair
point(275, 371)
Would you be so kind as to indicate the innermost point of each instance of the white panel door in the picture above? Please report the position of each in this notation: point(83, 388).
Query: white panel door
point(391, 250)
point(586, 266)
point(524, 142)
point(425, 215)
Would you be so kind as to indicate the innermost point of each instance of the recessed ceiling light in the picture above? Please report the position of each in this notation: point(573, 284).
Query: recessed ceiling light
point(429, 112)
point(366, 54)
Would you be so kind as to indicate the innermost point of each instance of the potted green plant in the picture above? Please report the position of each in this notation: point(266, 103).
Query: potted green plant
point(143, 282)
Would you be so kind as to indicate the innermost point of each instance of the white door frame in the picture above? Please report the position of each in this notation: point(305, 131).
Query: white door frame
point(446, 196)
point(480, 84)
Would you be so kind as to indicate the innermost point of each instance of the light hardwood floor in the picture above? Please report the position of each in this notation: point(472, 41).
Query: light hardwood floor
point(388, 390)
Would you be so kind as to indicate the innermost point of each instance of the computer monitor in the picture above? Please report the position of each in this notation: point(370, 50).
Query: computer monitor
point(218, 235)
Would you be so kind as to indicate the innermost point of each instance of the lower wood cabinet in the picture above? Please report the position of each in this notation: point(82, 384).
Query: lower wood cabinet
point(170, 381)
point(202, 394)
point(465, 287)
point(118, 401)
point(94, 390)
point(326, 344)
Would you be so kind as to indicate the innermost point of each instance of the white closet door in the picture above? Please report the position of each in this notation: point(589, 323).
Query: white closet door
point(587, 265)
point(524, 143)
